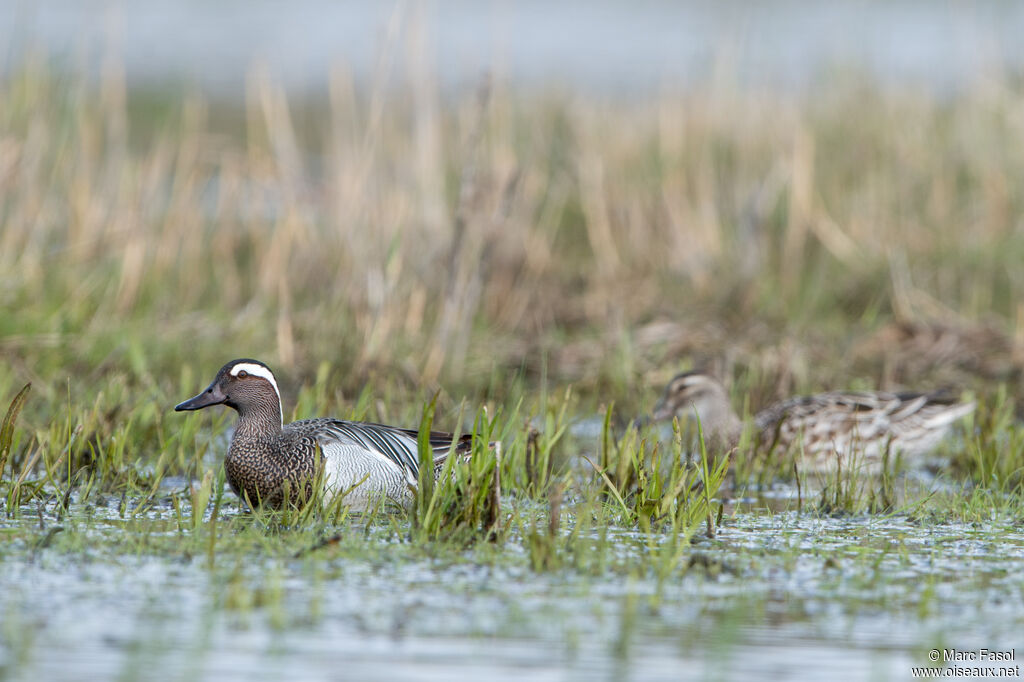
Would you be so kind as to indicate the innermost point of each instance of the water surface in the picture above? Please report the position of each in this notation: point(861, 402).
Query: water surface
point(775, 595)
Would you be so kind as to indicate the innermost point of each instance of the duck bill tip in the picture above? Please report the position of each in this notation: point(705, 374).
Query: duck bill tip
point(189, 405)
point(207, 398)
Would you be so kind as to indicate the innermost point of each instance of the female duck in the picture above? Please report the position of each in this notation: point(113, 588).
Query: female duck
point(851, 428)
point(269, 460)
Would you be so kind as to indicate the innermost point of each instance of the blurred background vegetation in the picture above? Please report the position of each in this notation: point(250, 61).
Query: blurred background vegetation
point(407, 236)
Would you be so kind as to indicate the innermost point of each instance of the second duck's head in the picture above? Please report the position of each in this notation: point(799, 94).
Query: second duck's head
point(691, 392)
point(245, 385)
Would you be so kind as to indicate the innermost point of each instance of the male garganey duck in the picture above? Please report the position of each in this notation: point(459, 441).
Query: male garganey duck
point(851, 428)
point(266, 456)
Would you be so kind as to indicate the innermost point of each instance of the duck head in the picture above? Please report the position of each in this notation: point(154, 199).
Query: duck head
point(240, 384)
point(689, 392)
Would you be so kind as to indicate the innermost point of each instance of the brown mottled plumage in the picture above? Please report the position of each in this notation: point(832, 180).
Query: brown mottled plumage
point(268, 459)
point(848, 427)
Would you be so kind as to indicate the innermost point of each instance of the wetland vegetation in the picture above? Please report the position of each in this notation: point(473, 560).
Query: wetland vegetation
point(531, 268)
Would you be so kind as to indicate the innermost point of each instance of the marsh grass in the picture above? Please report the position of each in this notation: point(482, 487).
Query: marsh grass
point(994, 452)
point(464, 502)
point(846, 490)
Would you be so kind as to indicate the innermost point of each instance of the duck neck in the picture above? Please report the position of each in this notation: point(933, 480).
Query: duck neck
point(720, 423)
point(259, 419)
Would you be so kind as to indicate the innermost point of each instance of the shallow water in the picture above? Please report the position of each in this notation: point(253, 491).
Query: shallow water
point(775, 595)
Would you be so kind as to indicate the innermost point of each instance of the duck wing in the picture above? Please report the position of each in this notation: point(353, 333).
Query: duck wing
point(397, 445)
point(836, 419)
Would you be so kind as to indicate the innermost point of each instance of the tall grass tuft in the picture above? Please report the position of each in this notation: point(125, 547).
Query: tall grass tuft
point(994, 453)
point(463, 504)
point(657, 491)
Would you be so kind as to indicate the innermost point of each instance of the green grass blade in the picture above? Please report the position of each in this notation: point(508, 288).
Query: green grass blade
point(425, 481)
point(7, 428)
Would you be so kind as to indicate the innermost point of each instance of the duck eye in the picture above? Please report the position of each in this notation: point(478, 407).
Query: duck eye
point(242, 374)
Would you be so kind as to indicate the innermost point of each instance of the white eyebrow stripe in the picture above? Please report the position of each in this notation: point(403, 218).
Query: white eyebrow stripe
point(263, 373)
